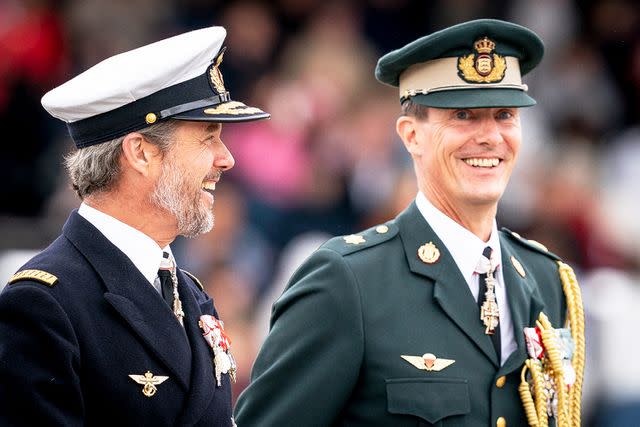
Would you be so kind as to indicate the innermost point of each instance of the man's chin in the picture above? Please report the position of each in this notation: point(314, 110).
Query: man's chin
point(196, 227)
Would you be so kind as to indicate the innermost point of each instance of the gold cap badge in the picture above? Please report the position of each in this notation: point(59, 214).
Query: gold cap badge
point(482, 66)
point(428, 253)
point(215, 74)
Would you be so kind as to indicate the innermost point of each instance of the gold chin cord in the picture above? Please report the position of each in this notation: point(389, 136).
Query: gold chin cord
point(546, 393)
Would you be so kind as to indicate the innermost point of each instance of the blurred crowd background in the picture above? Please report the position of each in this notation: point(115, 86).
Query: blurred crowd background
point(329, 162)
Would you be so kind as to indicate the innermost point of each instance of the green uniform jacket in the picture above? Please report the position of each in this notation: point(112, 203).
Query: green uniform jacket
point(332, 357)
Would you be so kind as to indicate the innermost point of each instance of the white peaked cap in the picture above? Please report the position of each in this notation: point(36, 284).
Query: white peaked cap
point(176, 78)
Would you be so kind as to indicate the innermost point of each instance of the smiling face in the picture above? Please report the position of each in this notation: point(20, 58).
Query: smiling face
point(464, 157)
point(188, 176)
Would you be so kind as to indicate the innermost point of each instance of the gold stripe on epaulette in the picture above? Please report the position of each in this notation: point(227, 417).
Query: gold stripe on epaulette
point(35, 275)
point(195, 279)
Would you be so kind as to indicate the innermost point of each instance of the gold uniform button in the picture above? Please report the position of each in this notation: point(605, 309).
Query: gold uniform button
point(151, 118)
point(501, 422)
point(381, 229)
point(500, 381)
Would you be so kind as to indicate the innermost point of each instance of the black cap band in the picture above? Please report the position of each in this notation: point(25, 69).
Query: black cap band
point(132, 117)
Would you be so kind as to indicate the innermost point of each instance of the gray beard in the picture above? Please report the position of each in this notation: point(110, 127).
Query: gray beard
point(192, 216)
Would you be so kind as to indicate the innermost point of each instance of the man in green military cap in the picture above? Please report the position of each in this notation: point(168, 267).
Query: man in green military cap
point(419, 321)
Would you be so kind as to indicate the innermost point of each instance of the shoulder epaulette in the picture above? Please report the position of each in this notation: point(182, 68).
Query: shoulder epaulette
point(359, 241)
point(195, 279)
point(531, 244)
point(35, 276)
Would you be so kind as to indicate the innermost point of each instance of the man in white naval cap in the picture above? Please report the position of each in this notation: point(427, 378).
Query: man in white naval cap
point(102, 327)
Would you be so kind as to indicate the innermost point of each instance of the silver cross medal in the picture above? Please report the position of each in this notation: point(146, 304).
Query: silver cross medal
point(489, 312)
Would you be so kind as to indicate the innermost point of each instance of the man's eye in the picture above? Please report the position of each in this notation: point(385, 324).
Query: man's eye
point(462, 115)
point(505, 114)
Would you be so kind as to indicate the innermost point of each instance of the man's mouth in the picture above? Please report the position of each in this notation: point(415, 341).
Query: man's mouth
point(482, 162)
point(209, 186)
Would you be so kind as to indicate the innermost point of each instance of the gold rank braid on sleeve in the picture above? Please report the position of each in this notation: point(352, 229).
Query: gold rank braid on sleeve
point(536, 405)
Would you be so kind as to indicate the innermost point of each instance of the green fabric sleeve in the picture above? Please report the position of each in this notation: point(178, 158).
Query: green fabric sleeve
point(310, 361)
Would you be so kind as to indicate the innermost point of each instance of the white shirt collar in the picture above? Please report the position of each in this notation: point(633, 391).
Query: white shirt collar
point(141, 249)
point(465, 247)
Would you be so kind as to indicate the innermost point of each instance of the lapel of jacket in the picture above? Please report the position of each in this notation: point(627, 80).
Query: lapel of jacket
point(203, 383)
point(450, 288)
point(523, 304)
point(133, 298)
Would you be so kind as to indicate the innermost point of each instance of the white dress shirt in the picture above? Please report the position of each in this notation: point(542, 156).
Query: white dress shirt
point(466, 249)
point(142, 250)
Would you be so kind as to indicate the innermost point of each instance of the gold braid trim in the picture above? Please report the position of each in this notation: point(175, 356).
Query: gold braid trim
point(541, 396)
point(550, 342)
point(569, 401)
point(527, 399)
point(575, 318)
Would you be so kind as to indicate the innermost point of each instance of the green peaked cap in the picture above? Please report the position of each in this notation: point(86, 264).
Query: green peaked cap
point(445, 69)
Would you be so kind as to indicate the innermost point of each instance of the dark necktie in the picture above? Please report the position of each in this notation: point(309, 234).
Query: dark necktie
point(482, 280)
point(166, 285)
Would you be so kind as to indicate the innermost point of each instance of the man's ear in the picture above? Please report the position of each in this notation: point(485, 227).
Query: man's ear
point(138, 153)
point(406, 127)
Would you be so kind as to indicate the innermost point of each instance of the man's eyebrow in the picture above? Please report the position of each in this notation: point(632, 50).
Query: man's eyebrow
point(212, 127)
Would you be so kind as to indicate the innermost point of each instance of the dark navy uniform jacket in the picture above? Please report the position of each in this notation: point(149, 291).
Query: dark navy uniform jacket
point(66, 351)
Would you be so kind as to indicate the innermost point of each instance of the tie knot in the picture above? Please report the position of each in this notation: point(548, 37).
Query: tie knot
point(167, 263)
point(487, 252)
point(486, 264)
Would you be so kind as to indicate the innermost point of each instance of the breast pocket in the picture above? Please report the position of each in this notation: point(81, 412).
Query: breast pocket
point(430, 399)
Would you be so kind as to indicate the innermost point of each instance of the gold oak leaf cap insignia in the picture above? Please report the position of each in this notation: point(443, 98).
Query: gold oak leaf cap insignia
point(216, 74)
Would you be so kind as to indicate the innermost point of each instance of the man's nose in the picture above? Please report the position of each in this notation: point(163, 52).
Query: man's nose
point(224, 160)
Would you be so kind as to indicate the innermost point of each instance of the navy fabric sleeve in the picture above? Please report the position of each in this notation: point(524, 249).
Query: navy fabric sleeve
point(39, 360)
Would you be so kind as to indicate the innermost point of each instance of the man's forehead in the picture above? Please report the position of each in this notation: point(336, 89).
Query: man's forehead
point(198, 126)
point(477, 110)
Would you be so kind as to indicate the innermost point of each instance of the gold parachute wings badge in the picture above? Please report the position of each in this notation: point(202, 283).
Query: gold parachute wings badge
point(428, 362)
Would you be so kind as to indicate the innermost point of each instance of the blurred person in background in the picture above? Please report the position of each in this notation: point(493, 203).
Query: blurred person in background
point(102, 327)
point(33, 58)
point(405, 323)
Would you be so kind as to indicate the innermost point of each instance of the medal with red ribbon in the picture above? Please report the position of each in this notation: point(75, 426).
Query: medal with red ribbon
point(218, 340)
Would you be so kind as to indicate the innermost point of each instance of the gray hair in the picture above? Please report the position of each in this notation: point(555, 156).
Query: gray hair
point(410, 108)
point(96, 168)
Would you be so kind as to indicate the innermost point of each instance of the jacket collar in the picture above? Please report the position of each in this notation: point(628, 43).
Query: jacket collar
point(452, 294)
point(129, 292)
